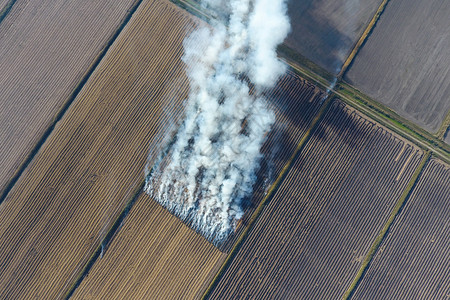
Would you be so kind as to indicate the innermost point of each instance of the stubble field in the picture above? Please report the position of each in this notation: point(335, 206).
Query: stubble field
point(46, 48)
point(154, 256)
point(55, 217)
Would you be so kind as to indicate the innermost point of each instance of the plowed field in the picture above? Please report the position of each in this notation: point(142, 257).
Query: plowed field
point(413, 262)
point(312, 236)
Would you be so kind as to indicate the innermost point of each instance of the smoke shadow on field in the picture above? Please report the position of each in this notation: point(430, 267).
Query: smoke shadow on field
point(339, 122)
point(315, 36)
point(295, 103)
point(345, 123)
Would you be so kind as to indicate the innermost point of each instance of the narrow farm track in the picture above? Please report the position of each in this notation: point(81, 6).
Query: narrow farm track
point(92, 164)
point(413, 262)
point(187, 274)
point(312, 236)
point(47, 47)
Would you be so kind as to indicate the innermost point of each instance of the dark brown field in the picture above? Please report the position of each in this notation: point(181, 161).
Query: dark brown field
point(325, 31)
point(413, 262)
point(61, 208)
point(46, 48)
point(312, 236)
point(405, 63)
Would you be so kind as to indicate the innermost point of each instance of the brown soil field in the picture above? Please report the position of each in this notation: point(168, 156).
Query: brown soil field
point(413, 262)
point(325, 31)
point(405, 63)
point(295, 103)
point(46, 48)
point(311, 238)
point(154, 256)
point(89, 168)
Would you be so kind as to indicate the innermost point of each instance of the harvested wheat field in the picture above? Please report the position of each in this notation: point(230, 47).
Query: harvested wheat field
point(154, 256)
point(55, 217)
point(413, 262)
point(405, 62)
point(311, 238)
point(46, 49)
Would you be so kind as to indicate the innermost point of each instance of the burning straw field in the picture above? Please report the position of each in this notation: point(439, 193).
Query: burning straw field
point(311, 238)
point(290, 97)
point(190, 159)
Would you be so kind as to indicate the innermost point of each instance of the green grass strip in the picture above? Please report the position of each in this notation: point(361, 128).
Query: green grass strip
point(270, 193)
point(383, 233)
point(363, 38)
point(444, 127)
point(6, 9)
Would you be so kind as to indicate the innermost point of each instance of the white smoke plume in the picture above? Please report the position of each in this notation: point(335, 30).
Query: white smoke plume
point(210, 167)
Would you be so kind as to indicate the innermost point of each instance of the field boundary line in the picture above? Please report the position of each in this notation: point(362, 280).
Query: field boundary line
point(363, 38)
point(445, 126)
point(274, 187)
point(5, 11)
point(106, 242)
point(385, 230)
point(379, 113)
point(68, 103)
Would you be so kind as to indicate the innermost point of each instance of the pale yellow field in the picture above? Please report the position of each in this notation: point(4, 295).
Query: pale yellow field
point(92, 164)
point(154, 256)
point(46, 47)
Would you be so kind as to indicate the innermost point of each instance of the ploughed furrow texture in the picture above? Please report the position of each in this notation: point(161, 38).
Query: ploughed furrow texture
point(405, 62)
point(45, 49)
point(55, 217)
point(295, 103)
point(413, 262)
point(153, 256)
point(311, 238)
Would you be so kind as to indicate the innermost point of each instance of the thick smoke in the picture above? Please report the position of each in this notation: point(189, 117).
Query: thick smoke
point(210, 167)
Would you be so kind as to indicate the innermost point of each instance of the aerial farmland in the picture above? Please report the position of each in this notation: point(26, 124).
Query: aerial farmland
point(410, 71)
point(341, 204)
point(205, 149)
point(325, 31)
point(416, 250)
point(46, 49)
